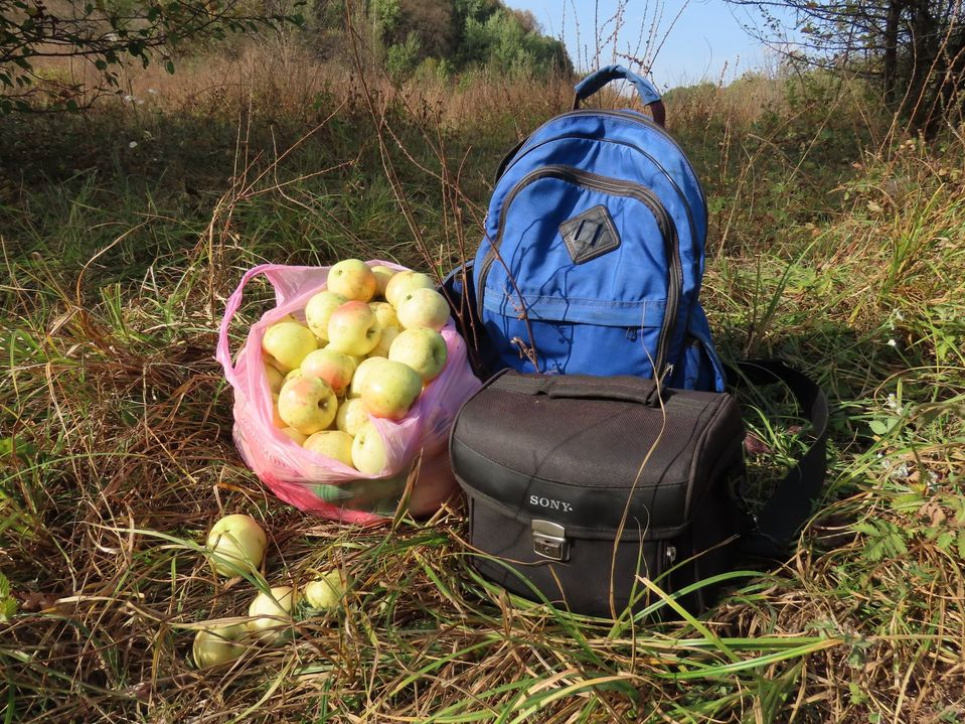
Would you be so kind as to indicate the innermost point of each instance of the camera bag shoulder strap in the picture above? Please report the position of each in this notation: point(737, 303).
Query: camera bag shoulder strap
point(794, 497)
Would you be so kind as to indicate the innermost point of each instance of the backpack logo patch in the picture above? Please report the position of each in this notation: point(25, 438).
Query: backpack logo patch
point(590, 234)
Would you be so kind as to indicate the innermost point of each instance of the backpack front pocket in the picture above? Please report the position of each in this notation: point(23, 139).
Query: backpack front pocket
point(585, 265)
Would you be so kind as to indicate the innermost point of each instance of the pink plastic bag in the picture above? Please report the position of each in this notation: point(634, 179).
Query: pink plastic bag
point(310, 481)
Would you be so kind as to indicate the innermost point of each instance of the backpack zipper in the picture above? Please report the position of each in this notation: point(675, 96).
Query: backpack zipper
point(614, 187)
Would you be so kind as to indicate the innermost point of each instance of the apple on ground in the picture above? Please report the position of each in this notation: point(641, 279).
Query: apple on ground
point(307, 404)
point(352, 278)
point(334, 444)
point(274, 378)
point(391, 390)
point(369, 455)
point(287, 344)
point(385, 342)
point(325, 593)
point(406, 281)
point(423, 308)
point(218, 645)
point(423, 349)
point(270, 614)
point(334, 367)
point(238, 544)
point(353, 329)
point(382, 275)
point(319, 310)
point(351, 416)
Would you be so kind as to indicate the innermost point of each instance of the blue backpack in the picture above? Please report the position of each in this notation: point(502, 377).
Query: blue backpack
point(594, 250)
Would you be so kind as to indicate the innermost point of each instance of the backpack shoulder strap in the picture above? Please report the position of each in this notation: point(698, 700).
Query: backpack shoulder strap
point(793, 499)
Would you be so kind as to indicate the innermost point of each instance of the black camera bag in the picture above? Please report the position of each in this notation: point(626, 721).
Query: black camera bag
point(582, 488)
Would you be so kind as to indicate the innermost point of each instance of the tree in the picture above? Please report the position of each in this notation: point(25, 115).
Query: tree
point(915, 49)
point(106, 33)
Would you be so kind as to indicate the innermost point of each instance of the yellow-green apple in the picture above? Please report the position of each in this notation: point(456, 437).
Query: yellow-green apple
point(324, 593)
point(385, 342)
point(318, 311)
point(391, 390)
point(298, 437)
point(334, 367)
point(275, 417)
point(334, 444)
point(353, 329)
point(351, 416)
point(274, 378)
point(287, 344)
point(352, 278)
point(307, 403)
point(385, 313)
point(382, 276)
point(293, 374)
point(237, 543)
point(369, 455)
point(406, 281)
point(218, 645)
point(423, 308)
point(366, 367)
point(270, 614)
point(423, 349)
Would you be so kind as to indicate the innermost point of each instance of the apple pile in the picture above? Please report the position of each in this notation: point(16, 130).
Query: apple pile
point(237, 544)
point(369, 344)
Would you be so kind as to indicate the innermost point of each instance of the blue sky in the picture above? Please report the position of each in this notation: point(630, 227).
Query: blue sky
point(706, 42)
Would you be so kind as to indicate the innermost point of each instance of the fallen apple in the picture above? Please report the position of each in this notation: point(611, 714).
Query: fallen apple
point(237, 544)
point(325, 593)
point(270, 614)
point(334, 444)
point(391, 390)
point(423, 308)
point(406, 281)
point(319, 310)
point(307, 404)
point(423, 349)
point(218, 645)
point(353, 329)
point(369, 455)
point(334, 367)
point(287, 344)
point(353, 279)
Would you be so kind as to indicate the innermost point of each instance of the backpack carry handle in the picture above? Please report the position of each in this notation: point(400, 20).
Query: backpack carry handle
point(645, 89)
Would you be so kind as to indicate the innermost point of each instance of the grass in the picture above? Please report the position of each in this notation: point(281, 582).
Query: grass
point(844, 258)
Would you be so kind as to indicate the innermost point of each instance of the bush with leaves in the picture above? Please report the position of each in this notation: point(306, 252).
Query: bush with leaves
point(107, 33)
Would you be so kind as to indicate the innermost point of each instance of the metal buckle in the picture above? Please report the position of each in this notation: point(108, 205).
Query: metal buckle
point(549, 540)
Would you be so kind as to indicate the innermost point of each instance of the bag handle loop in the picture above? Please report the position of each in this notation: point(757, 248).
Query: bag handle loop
point(223, 351)
point(645, 89)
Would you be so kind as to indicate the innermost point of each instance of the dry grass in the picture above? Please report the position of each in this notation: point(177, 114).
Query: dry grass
point(116, 452)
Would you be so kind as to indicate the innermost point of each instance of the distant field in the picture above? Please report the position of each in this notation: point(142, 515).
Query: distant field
point(836, 244)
